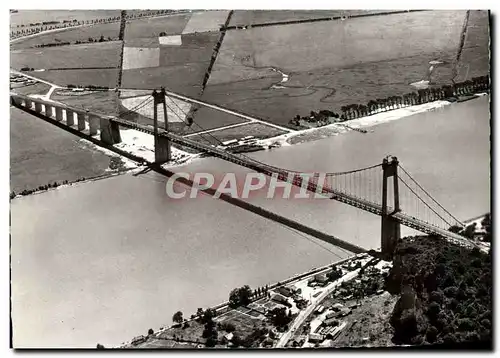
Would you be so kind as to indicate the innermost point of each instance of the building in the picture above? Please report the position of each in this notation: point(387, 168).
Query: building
point(279, 298)
point(320, 309)
point(331, 322)
point(285, 291)
point(316, 338)
point(137, 340)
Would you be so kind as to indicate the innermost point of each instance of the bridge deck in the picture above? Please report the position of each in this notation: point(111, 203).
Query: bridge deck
point(284, 175)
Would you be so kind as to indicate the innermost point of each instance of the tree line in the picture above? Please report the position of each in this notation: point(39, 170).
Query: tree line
point(55, 184)
point(34, 28)
point(353, 111)
point(77, 42)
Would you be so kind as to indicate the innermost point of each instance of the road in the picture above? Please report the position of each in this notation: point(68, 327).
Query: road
point(299, 320)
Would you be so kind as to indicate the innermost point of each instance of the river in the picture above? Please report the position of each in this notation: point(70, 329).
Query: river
point(107, 260)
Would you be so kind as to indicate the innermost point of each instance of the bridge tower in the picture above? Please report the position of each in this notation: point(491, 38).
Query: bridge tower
point(391, 231)
point(162, 144)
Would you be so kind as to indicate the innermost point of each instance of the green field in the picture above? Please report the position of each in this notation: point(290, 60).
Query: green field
point(104, 102)
point(95, 55)
point(475, 57)
point(41, 153)
point(81, 33)
point(181, 68)
point(341, 62)
point(152, 27)
point(25, 17)
point(81, 77)
point(252, 17)
point(257, 130)
point(37, 88)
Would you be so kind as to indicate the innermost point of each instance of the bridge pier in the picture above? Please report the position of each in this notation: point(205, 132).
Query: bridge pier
point(110, 131)
point(48, 110)
point(93, 124)
point(28, 103)
point(81, 121)
point(162, 149)
point(115, 132)
point(38, 107)
point(70, 118)
point(59, 114)
point(162, 144)
point(391, 229)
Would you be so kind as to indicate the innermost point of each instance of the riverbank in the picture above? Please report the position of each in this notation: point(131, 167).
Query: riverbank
point(389, 115)
point(353, 302)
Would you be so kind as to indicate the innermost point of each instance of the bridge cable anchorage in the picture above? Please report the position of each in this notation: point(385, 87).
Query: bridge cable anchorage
point(430, 196)
point(424, 203)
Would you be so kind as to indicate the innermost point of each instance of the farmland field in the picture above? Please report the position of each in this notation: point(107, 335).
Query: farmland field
point(41, 153)
point(336, 44)
point(37, 88)
point(80, 77)
point(257, 130)
point(152, 27)
point(206, 21)
point(340, 62)
point(324, 88)
point(95, 55)
point(81, 33)
point(104, 102)
point(251, 17)
point(25, 17)
point(475, 57)
point(179, 68)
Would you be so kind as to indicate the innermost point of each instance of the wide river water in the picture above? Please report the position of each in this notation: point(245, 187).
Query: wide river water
point(107, 260)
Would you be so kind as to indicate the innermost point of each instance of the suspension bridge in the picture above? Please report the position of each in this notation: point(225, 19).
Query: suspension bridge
point(385, 189)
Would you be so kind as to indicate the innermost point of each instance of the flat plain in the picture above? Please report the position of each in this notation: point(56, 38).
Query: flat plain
point(50, 155)
point(334, 63)
point(93, 55)
point(80, 33)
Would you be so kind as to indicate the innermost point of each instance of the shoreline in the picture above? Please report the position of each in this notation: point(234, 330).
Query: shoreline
point(141, 145)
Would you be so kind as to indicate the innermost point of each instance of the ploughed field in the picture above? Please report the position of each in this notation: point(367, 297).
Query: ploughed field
point(173, 51)
point(333, 63)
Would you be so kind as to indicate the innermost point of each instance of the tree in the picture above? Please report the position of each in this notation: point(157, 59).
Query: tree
point(279, 317)
point(100, 346)
point(208, 316)
point(240, 296)
point(101, 39)
point(150, 331)
point(199, 312)
point(177, 317)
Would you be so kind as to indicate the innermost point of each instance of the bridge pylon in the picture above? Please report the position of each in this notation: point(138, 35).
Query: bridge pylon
point(162, 144)
point(391, 229)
